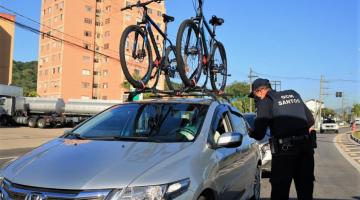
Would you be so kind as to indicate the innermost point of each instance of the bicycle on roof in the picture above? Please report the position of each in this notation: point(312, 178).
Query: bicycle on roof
point(136, 55)
point(194, 58)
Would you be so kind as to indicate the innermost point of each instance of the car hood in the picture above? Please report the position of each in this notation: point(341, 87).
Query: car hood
point(84, 164)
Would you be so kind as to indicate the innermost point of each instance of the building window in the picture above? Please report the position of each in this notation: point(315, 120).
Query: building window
point(59, 70)
point(105, 72)
point(149, 10)
point(85, 97)
point(159, 13)
point(95, 85)
point(88, 20)
point(128, 3)
point(85, 72)
point(105, 85)
point(127, 17)
point(107, 33)
point(87, 33)
point(61, 5)
point(137, 72)
point(87, 46)
point(106, 46)
point(88, 8)
point(108, 8)
point(98, 35)
point(86, 58)
point(107, 21)
point(104, 97)
point(53, 70)
point(85, 84)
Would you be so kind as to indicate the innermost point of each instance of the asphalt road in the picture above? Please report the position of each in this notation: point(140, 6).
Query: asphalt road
point(335, 177)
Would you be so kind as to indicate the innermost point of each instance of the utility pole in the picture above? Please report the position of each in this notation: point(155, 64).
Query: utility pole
point(276, 85)
point(321, 99)
point(250, 84)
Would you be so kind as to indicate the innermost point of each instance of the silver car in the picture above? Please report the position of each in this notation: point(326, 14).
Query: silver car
point(148, 150)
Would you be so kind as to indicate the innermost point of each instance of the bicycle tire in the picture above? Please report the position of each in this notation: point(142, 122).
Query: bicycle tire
point(171, 72)
point(141, 83)
point(188, 80)
point(218, 86)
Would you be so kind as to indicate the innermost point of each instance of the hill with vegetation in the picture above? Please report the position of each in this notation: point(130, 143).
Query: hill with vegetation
point(24, 75)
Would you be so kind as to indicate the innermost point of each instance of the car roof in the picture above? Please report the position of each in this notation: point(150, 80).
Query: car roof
point(176, 100)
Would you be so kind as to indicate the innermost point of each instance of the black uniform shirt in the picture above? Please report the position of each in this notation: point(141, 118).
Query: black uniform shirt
point(279, 127)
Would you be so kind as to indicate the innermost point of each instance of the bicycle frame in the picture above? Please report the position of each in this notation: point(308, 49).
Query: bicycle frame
point(148, 23)
point(202, 26)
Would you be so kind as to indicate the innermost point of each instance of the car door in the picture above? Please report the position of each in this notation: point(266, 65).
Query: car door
point(224, 176)
point(246, 154)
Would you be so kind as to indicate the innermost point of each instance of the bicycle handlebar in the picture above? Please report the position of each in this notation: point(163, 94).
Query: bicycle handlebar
point(139, 4)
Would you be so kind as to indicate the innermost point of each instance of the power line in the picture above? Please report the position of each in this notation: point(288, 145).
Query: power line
point(41, 24)
point(36, 31)
point(305, 78)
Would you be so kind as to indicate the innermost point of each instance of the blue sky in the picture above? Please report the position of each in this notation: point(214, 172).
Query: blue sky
point(281, 39)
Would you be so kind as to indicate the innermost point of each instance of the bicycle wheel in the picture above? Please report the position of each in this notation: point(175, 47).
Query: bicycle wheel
point(172, 76)
point(189, 53)
point(135, 56)
point(218, 67)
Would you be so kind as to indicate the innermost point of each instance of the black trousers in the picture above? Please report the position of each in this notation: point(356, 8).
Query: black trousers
point(297, 165)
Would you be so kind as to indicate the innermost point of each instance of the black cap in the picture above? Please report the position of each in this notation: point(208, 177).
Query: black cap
point(258, 83)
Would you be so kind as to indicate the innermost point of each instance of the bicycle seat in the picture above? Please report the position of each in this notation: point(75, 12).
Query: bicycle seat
point(215, 21)
point(167, 18)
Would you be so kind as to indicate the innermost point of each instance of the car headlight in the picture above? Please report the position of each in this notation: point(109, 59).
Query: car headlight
point(154, 192)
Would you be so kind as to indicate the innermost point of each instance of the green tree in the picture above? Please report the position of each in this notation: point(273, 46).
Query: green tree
point(327, 112)
point(24, 75)
point(356, 109)
point(238, 92)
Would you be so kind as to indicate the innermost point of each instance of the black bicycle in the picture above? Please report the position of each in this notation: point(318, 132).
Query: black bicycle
point(194, 58)
point(136, 53)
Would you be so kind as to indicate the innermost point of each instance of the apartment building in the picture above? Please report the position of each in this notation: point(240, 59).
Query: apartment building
point(87, 65)
point(7, 28)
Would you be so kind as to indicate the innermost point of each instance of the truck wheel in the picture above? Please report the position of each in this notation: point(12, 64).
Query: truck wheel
point(41, 123)
point(32, 123)
point(4, 121)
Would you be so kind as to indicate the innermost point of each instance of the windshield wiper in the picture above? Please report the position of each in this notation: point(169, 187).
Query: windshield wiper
point(75, 135)
point(125, 138)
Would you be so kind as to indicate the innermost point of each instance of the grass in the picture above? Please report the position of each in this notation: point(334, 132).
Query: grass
point(357, 134)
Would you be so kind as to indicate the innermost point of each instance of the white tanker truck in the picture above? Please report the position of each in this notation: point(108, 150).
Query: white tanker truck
point(46, 112)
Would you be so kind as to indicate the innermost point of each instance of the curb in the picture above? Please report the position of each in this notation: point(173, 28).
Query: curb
point(354, 138)
point(344, 154)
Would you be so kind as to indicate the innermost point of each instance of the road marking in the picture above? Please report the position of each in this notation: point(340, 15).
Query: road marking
point(353, 161)
point(8, 158)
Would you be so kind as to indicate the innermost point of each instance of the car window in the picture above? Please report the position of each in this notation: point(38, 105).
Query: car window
point(329, 121)
point(221, 123)
point(238, 123)
point(165, 122)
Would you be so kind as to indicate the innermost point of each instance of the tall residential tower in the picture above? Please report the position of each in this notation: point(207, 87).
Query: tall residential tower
point(89, 66)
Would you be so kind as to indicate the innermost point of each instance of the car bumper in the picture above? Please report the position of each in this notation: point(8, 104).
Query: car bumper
point(186, 196)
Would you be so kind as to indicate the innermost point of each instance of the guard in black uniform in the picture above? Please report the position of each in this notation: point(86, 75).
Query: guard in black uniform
point(291, 143)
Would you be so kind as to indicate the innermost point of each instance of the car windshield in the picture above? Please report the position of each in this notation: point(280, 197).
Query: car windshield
point(328, 121)
point(154, 122)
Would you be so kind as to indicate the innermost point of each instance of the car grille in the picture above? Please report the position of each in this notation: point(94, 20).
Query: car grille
point(11, 191)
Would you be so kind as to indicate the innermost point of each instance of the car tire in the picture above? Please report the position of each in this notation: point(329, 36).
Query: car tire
point(257, 184)
point(32, 122)
point(41, 123)
point(202, 198)
point(321, 131)
point(4, 121)
point(337, 131)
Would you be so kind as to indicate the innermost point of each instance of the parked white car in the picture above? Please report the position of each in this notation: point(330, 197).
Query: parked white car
point(329, 125)
point(264, 145)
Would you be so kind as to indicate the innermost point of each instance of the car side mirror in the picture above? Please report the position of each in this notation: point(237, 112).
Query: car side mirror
point(230, 140)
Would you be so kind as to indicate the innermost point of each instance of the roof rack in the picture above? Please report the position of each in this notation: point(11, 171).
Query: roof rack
point(187, 92)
